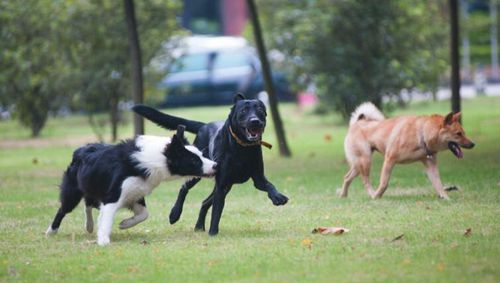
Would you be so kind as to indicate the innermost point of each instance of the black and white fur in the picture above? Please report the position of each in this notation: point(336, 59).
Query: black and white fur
point(236, 162)
point(110, 177)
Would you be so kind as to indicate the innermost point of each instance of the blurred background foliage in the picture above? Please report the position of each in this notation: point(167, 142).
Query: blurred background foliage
point(354, 51)
point(74, 54)
point(65, 56)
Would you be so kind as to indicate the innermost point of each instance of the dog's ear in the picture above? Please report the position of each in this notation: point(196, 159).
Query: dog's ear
point(456, 117)
point(179, 138)
point(180, 131)
point(448, 119)
point(238, 96)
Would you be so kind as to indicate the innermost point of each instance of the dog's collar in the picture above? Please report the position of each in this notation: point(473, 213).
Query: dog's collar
point(242, 143)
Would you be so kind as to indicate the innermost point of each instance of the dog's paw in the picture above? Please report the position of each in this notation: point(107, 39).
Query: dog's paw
point(175, 214)
point(50, 232)
point(89, 226)
point(213, 232)
point(278, 199)
point(127, 223)
point(103, 241)
point(444, 197)
point(199, 229)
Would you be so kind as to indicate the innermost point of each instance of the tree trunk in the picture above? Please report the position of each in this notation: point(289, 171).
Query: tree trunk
point(454, 53)
point(266, 72)
point(493, 39)
point(114, 116)
point(135, 56)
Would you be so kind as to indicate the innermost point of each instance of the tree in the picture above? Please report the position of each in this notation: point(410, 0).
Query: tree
point(357, 50)
point(266, 70)
point(135, 56)
point(31, 65)
point(74, 52)
point(101, 54)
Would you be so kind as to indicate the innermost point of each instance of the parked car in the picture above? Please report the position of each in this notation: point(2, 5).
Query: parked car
point(210, 70)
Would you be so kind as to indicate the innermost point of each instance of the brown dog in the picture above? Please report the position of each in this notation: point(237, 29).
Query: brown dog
point(401, 140)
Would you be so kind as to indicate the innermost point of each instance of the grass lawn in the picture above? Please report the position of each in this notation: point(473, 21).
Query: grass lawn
point(259, 242)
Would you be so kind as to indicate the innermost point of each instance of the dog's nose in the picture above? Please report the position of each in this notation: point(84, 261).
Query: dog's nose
point(255, 122)
point(472, 144)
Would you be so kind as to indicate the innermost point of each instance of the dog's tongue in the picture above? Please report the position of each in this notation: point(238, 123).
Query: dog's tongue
point(455, 148)
point(255, 132)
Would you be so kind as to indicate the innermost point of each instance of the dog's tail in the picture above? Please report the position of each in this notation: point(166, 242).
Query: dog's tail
point(366, 111)
point(167, 121)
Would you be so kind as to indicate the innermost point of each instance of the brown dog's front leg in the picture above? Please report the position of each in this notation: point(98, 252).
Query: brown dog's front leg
point(433, 175)
point(385, 175)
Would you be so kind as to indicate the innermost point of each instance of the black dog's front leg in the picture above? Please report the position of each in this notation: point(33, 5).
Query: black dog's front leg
point(261, 183)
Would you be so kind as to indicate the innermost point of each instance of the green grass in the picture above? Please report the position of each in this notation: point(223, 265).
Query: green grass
point(259, 242)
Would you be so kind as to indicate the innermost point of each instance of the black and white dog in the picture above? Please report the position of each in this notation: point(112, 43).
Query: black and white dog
point(110, 177)
point(235, 144)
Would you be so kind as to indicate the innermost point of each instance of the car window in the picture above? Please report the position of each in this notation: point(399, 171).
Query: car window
point(230, 60)
point(190, 63)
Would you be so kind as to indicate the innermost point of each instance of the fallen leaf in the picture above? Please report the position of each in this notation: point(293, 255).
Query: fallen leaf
point(398, 238)
point(307, 243)
point(451, 188)
point(132, 269)
point(468, 232)
point(34, 161)
point(328, 138)
point(440, 267)
point(330, 230)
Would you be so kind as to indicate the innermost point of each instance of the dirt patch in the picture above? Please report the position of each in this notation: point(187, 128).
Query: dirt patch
point(47, 142)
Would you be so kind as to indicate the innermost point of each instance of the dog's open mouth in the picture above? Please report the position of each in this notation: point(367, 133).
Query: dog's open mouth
point(455, 148)
point(254, 134)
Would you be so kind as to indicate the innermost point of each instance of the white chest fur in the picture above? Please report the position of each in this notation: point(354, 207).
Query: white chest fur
point(151, 158)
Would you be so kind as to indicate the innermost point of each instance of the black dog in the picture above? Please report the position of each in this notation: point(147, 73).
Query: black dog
point(235, 144)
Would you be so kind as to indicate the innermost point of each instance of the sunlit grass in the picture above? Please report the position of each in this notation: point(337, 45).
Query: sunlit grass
point(259, 242)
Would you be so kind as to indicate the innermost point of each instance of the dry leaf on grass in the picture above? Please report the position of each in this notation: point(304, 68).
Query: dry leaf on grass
point(330, 230)
point(307, 243)
point(468, 232)
point(398, 238)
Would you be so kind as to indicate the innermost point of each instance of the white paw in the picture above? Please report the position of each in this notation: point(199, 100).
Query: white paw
point(103, 241)
point(50, 231)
